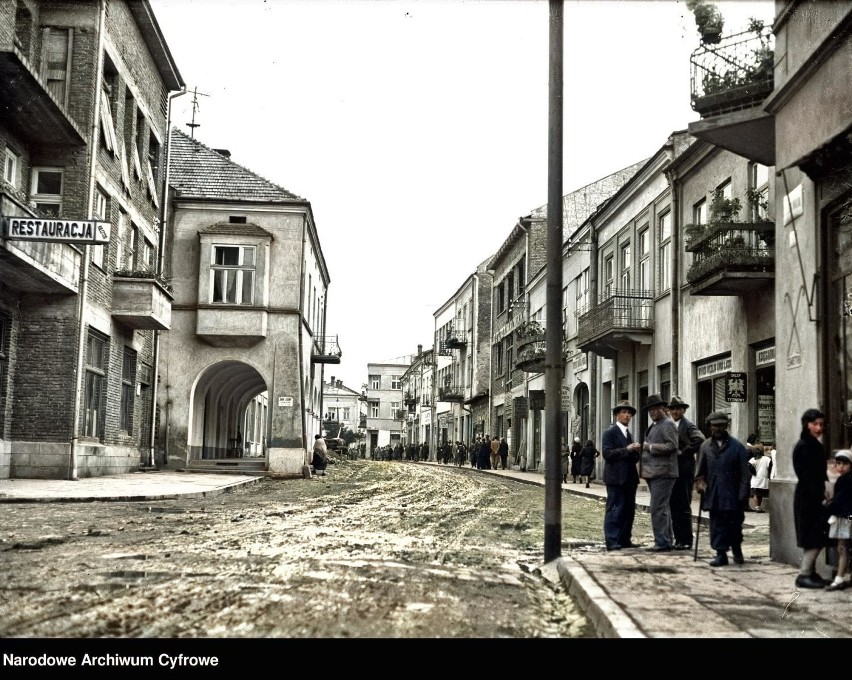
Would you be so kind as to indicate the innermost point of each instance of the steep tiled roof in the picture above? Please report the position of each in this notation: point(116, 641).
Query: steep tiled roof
point(198, 171)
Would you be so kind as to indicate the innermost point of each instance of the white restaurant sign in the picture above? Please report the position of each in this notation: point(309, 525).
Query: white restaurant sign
point(81, 232)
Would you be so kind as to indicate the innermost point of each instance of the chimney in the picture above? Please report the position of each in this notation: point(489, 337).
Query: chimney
point(340, 383)
point(419, 350)
point(331, 382)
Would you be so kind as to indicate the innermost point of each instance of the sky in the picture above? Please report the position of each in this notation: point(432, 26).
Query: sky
point(418, 129)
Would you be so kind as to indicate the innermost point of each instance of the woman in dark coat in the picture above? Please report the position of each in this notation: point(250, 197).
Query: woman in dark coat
point(809, 464)
point(576, 447)
point(587, 462)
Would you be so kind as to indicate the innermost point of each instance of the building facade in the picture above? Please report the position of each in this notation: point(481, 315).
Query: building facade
point(248, 317)
point(342, 410)
point(417, 398)
point(386, 417)
point(784, 99)
point(86, 90)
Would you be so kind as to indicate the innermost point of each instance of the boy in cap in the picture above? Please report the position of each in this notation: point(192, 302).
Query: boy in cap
point(723, 479)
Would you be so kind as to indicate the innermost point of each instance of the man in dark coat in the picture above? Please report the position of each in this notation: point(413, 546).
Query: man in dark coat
point(689, 438)
point(620, 454)
point(503, 450)
point(724, 479)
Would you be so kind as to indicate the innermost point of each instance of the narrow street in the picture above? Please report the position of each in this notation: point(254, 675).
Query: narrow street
point(374, 549)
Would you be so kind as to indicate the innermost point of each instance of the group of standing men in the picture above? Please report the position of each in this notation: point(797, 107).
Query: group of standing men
point(666, 460)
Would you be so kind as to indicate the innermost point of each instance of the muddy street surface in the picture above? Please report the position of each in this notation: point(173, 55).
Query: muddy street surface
point(373, 549)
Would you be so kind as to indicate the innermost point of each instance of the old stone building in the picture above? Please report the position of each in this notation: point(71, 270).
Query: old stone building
point(85, 91)
point(248, 318)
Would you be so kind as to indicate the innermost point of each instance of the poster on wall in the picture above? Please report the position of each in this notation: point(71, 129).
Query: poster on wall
point(736, 386)
point(766, 418)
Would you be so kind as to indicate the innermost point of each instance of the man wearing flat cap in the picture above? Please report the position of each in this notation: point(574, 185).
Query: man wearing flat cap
point(659, 470)
point(689, 439)
point(620, 454)
point(723, 478)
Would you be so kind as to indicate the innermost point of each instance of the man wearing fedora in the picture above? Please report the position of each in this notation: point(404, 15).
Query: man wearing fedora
point(659, 470)
point(620, 454)
point(689, 439)
point(724, 480)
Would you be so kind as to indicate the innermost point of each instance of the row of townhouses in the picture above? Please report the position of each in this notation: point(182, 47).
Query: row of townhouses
point(719, 269)
point(160, 304)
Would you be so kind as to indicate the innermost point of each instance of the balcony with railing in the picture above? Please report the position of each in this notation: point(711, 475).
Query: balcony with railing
point(730, 258)
point(451, 393)
point(729, 81)
point(409, 399)
point(531, 347)
point(326, 350)
point(621, 317)
point(456, 337)
point(426, 400)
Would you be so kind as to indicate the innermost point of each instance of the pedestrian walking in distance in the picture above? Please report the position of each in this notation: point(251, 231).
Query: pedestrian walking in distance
point(320, 455)
point(659, 470)
point(809, 464)
point(689, 439)
point(620, 454)
point(576, 447)
point(587, 462)
point(839, 509)
point(503, 451)
point(724, 480)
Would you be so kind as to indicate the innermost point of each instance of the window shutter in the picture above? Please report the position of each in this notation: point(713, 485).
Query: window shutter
point(125, 173)
point(106, 123)
point(152, 187)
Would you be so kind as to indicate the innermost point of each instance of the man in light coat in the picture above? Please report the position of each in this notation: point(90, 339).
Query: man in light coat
point(659, 470)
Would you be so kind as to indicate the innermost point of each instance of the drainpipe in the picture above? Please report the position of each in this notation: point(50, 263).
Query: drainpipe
point(676, 293)
point(84, 274)
point(592, 359)
point(164, 215)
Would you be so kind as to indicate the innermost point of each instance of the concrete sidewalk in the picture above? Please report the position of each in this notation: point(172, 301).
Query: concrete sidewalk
point(628, 593)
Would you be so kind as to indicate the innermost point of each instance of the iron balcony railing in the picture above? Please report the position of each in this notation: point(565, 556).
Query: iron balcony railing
point(732, 246)
point(735, 73)
point(326, 350)
point(451, 393)
point(618, 309)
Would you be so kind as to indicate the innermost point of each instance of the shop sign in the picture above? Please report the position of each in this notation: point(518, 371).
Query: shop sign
point(793, 204)
point(285, 401)
point(536, 400)
point(81, 232)
point(566, 399)
point(711, 368)
point(765, 357)
point(736, 386)
point(580, 362)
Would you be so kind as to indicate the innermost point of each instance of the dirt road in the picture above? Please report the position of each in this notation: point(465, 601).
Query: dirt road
point(374, 549)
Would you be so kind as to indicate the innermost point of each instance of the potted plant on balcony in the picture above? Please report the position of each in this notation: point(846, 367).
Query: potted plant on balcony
point(708, 20)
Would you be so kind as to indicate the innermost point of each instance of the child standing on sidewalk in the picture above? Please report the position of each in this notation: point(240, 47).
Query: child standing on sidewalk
point(840, 510)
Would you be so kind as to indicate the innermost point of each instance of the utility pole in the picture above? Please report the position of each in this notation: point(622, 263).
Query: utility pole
point(554, 363)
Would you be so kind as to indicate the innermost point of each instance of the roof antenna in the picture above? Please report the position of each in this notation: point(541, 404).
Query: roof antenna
point(195, 107)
